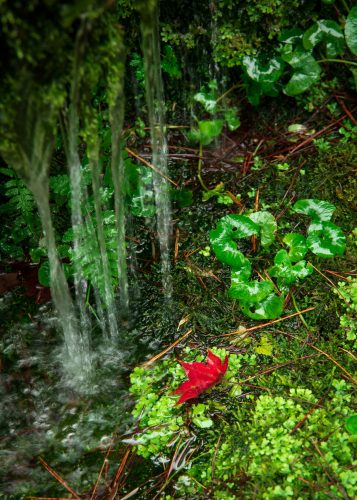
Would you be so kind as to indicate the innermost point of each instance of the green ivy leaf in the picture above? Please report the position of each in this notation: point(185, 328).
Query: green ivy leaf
point(232, 119)
point(254, 291)
point(241, 275)
point(229, 229)
point(254, 93)
point(207, 131)
point(44, 274)
point(267, 226)
point(263, 73)
point(351, 424)
point(328, 32)
point(351, 30)
point(318, 210)
point(297, 246)
point(286, 272)
point(291, 36)
point(325, 239)
point(207, 101)
point(306, 71)
point(269, 308)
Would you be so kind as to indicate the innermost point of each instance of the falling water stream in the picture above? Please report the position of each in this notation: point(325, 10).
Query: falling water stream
point(97, 343)
point(155, 104)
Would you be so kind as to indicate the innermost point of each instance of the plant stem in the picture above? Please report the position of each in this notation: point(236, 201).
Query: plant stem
point(298, 311)
point(345, 6)
point(199, 168)
point(343, 61)
point(237, 85)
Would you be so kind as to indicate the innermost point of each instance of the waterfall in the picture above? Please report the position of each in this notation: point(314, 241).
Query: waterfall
point(30, 153)
point(155, 104)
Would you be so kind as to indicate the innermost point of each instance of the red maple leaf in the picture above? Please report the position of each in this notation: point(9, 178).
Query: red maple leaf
point(201, 376)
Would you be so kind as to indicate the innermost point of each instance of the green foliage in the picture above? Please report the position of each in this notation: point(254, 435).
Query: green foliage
point(169, 63)
point(257, 298)
point(271, 440)
point(347, 292)
point(264, 76)
point(327, 32)
point(206, 131)
point(21, 225)
point(351, 30)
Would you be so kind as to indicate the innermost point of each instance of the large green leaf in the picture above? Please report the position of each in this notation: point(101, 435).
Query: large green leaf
point(297, 246)
point(306, 71)
point(229, 229)
point(207, 131)
point(291, 36)
point(286, 272)
point(351, 30)
point(263, 73)
point(270, 308)
point(253, 291)
point(325, 239)
point(232, 118)
point(44, 274)
point(254, 92)
point(328, 32)
point(206, 100)
point(267, 226)
point(241, 275)
point(318, 210)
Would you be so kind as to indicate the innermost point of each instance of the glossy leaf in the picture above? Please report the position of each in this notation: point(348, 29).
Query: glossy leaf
point(263, 73)
point(207, 131)
point(269, 308)
point(242, 275)
point(44, 274)
point(351, 30)
point(267, 226)
point(207, 101)
point(254, 92)
point(318, 210)
point(229, 229)
point(306, 71)
point(287, 272)
point(253, 291)
point(328, 32)
point(325, 239)
point(291, 36)
point(232, 118)
point(201, 376)
point(297, 246)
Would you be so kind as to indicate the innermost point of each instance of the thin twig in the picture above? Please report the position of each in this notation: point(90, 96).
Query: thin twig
point(105, 461)
point(145, 162)
point(276, 367)
point(59, 479)
point(215, 455)
point(161, 354)
point(115, 483)
point(350, 377)
point(334, 480)
point(305, 417)
point(258, 327)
